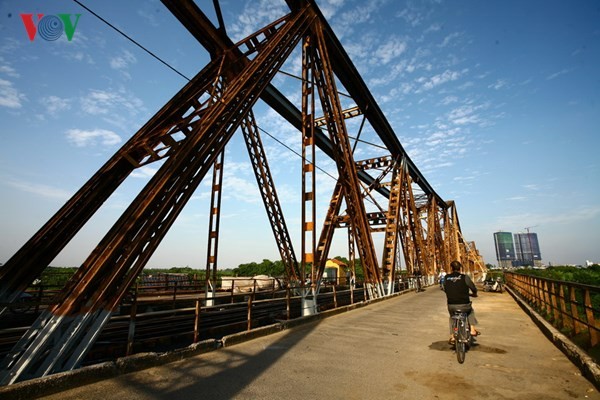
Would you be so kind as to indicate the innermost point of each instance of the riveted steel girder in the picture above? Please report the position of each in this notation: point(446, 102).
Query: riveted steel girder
point(350, 78)
point(206, 118)
point(268, 192)
point(342, 152)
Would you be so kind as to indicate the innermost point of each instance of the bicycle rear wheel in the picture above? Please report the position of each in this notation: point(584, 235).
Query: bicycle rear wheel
point(460, 351)
point(461, 341)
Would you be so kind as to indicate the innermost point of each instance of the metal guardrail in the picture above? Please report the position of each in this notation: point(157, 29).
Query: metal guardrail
point(571, 307)
point(175, 314)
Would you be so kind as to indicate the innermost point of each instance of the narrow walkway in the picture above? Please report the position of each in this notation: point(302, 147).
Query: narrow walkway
point(395, 349)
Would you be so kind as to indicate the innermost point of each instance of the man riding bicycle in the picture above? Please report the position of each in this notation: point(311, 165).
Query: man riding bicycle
point(457, 287)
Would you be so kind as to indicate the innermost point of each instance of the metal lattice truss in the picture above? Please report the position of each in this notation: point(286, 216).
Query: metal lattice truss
point(189, 134)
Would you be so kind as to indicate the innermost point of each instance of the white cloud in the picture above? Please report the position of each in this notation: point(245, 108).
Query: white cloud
point(123, 61)
point(350, 18)
point(241, 189)
point(9, 95)
point(499, 84)
point(557, 74)
point(439, 79)
point(82, 138)
point(256, 14)
point(570, 216)
point(98, 102)
point(41, 190)
point(449, 100)
point(102, 102)
point(149, 16)
point(144, 172)
point(411, 16)
point(55, 104)
point(8, 70)
point(391, 49)
point(466, 114)
point(448, 39)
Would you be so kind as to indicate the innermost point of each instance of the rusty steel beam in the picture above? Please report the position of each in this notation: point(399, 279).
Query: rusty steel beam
point(347, 172)
point(349, 113)
point(309, 211)
point(435, 239)
point(358, 90)
point(112, 267)
point(331, 222)
point(266, 185)
point(411, 227)
point(214, 222)
point(392, 228)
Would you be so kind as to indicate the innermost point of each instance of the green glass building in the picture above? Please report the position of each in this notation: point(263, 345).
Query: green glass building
point(505, 249)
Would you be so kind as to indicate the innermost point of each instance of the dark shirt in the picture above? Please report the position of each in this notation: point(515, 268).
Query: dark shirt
point(456, 286)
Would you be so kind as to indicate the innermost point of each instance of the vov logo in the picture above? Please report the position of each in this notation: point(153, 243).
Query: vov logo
point(50, 27)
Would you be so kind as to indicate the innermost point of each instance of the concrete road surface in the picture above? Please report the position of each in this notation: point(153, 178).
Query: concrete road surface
point(395, 349)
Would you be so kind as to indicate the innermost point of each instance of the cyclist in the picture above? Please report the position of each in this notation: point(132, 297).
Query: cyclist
point(457, 287)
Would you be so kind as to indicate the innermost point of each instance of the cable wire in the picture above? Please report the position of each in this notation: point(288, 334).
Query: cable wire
point(132, 40)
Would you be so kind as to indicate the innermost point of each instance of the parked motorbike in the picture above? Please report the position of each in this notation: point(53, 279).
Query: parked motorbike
point(494, 285)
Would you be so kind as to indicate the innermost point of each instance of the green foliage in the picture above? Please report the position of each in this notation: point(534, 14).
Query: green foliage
point(266, 267)
point(56, 277)
point(587, 276)
point(492, 275)
point(358, 268)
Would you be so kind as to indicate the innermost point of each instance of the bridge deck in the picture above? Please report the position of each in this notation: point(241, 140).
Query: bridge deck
point(389, 350)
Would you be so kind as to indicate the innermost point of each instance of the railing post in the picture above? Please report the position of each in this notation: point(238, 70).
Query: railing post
point(174, 295)
point(335, 305)
point(197, 321)
point(547, 302)
point(232, 289)
point(540, 293)
point(132, 316)
point(529, 288)
point(287, 301)
point(591, 321)
point(567, 318)
point(575, 310)
point(250, 299)
point(554, 304)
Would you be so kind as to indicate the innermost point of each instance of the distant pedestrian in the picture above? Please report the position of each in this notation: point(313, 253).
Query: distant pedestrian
point(418, 279)
point(441, 278)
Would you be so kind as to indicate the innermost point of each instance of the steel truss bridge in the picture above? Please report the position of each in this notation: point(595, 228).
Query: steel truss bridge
point(189, 135)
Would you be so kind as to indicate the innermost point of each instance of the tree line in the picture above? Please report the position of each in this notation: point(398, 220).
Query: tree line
point(58, 276)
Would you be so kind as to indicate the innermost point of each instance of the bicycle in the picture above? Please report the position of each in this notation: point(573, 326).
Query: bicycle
point(461, 331)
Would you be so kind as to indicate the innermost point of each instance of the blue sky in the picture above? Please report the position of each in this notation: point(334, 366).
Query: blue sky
point(497, 102)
